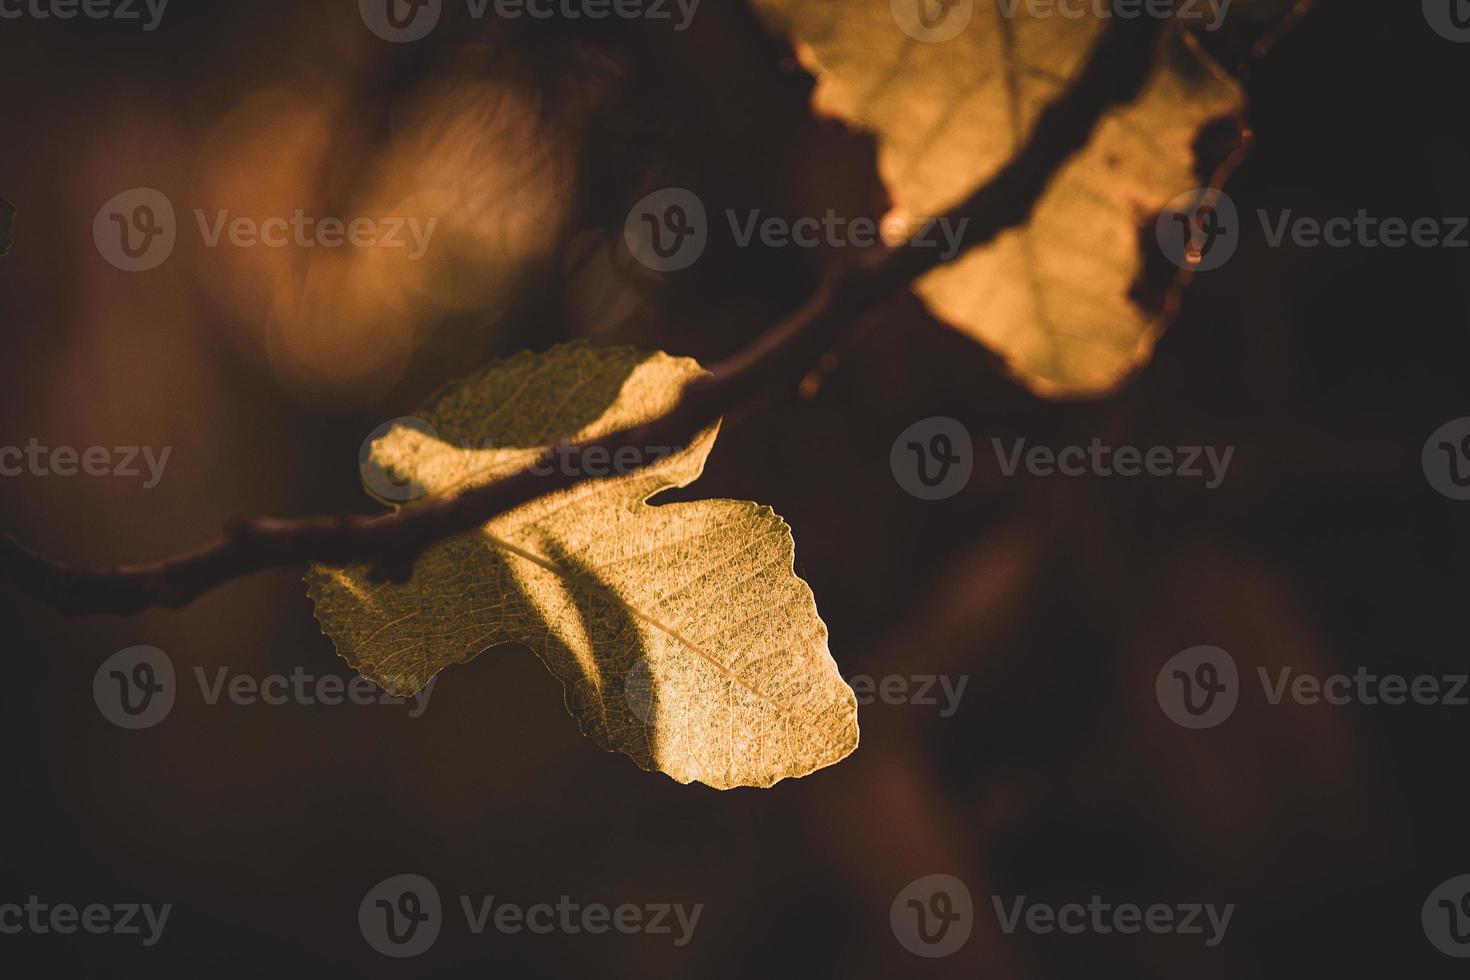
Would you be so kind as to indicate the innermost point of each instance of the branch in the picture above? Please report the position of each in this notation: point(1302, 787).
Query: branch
point(391, 542)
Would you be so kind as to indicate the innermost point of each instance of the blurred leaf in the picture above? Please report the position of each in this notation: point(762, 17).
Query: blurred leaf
point(680, 633)
point(1053, 296)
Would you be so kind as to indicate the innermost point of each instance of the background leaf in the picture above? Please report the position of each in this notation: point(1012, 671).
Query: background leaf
point(1053, 296)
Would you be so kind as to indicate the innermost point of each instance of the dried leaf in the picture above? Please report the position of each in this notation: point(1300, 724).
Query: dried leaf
point(1053, 296)
point(680, 633)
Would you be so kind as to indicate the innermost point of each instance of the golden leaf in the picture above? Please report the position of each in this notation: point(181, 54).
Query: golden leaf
point(950, 111)
point(680, 633)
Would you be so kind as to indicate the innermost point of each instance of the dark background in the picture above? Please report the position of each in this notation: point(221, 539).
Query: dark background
point(1058, 778)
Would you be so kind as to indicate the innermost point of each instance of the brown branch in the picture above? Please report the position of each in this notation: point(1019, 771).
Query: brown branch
point(391, 542)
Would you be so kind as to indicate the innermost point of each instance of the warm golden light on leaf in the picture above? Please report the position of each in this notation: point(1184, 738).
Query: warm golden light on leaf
point(680, 633)
point(1052, 297)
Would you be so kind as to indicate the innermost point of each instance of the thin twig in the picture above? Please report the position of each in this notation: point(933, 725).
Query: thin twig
point(391, 542)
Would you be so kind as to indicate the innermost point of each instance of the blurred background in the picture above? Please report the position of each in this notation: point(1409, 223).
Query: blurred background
point(1058, 777)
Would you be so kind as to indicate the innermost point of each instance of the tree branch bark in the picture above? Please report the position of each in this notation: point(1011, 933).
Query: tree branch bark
point(390, 543)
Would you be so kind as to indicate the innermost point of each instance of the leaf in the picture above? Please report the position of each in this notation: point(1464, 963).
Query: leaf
point(680, 633)
point(1052, 297)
